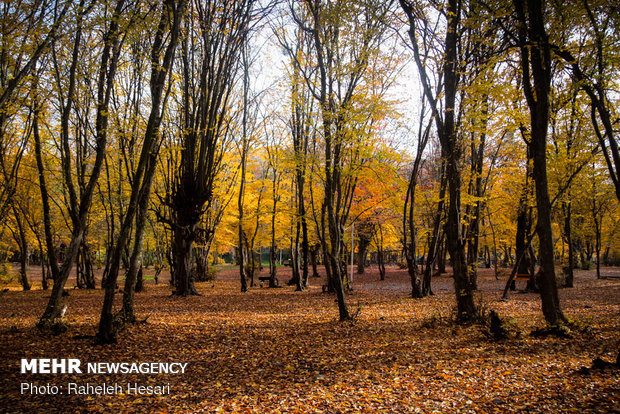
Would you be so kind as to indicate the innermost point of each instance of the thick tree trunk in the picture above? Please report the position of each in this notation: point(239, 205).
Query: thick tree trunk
point(53, 306)
point(183, 241)
point(338, 285)
point(335, 230)
point(140, 280)
point(546, 275)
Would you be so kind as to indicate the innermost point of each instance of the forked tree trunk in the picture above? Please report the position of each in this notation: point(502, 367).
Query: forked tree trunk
point(536, 68)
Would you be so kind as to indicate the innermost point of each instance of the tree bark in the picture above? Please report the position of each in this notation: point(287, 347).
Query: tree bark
point(362, 249)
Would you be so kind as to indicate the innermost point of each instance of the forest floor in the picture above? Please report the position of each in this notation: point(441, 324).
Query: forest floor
point(276, 350)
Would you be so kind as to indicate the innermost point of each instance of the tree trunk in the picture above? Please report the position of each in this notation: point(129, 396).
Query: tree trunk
point(436, 237)
point(524, 224)
point(304, 246)
point(183, 241)
point(409, 233)
point(23, 250)
point(297, 277)
point(597, 246)
point(140, 280)
point(44, 285)
point(84, 269)
point(570, 268)
point(241, 259)
point(47, 220)
point(477, 190)
point(380, 255)
point(272, 249)
point(362, 248)
point(313, 260)
point(135, 264)
point(331, 287)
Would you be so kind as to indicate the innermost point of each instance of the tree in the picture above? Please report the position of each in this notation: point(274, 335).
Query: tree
point(419, 288)
point(209, 68)
point(79, 210)
point(272, 145)
point(536, 71)
point(27, 31)
point(451, 148)
point(344, 36)
point(594, 67)
point(301, 125)
point(169, 28)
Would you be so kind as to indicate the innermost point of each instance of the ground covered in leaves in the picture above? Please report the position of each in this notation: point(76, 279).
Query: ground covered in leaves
point(276, 350)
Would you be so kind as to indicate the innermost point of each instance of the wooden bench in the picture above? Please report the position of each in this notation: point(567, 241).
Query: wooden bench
point(519, 276)
point(266, 279)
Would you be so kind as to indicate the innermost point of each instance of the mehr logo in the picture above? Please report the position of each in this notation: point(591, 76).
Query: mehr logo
point(72, 366)
point(51, 366)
